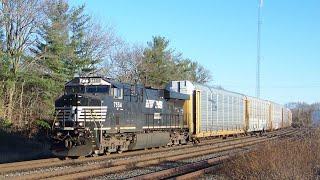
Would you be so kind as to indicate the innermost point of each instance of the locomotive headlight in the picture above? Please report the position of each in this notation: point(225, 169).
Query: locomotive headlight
point(80, 124)
point(57, 124)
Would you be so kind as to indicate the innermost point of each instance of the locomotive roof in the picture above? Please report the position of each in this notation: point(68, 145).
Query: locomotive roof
point(87, 81)
point(108, 81)
point(97, 80)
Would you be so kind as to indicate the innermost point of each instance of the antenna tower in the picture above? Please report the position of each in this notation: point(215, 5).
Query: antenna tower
point(258, 49)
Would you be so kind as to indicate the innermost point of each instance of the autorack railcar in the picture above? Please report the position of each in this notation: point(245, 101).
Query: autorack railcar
point(213, 111)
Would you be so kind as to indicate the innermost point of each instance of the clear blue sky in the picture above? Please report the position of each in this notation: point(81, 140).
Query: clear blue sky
point(221, 35)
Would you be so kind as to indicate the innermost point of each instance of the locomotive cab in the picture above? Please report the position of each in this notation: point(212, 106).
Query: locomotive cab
point(82, 102)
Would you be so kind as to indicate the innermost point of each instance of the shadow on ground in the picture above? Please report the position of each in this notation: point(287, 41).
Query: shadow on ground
point(15, 147)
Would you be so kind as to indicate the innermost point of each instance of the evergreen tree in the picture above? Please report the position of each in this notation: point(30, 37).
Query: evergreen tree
point(54, 51)
point(158, 63)
point(161, 65)
point(82, 60)
point(192, 71)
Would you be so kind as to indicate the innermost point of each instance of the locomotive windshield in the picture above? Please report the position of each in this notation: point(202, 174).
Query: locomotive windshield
point(74, 89)
point(88, 89)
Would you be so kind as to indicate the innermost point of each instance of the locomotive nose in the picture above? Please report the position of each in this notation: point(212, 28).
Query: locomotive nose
point(75, 113)
point(77, 110)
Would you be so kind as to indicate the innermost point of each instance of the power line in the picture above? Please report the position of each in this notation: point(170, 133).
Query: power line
point(315, 86)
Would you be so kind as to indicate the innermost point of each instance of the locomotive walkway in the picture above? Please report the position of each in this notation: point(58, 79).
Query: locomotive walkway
point(144, 164)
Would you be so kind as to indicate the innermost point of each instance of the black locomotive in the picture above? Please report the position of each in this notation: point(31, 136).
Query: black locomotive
point(98, 115)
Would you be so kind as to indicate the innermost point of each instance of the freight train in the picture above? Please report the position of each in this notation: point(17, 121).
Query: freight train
point(98, 115)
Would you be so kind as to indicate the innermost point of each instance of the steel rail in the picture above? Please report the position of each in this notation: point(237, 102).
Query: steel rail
point(194, 170)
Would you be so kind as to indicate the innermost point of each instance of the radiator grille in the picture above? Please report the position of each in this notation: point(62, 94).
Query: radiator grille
point(64, 113)
point(92, 113)
point(81, 113)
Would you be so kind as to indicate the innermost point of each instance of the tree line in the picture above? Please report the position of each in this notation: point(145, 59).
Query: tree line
point(44, 43)
point(304, 115)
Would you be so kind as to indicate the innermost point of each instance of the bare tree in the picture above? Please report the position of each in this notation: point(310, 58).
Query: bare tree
point(126, 61)
point(19, 23)
point(100, 44)
point(301, 113)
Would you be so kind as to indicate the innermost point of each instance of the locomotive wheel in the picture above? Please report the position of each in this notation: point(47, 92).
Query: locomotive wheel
point(68, 144)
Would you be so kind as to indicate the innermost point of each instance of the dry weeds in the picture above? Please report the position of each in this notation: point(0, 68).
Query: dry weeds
point(297, 158)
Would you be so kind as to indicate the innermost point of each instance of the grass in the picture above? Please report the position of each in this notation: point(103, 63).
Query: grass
point(281, 159)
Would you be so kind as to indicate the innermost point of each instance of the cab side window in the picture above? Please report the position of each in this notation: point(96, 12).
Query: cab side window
point(141, 94)
point(117, 93)
point(98, 89)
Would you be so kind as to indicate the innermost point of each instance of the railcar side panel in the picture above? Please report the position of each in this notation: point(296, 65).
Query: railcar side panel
point(287, 118)
point(259, 114)
point(215, 111)
point(276, 116)
point(222, 112)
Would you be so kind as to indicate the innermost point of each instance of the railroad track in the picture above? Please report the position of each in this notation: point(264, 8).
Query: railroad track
point(28, 165)
point(190, 166)
point(99, 166)
point(51, 162)
point(118, 162)
point(199, 168)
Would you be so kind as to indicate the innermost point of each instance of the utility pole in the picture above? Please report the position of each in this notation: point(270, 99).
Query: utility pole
point(258, 49)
